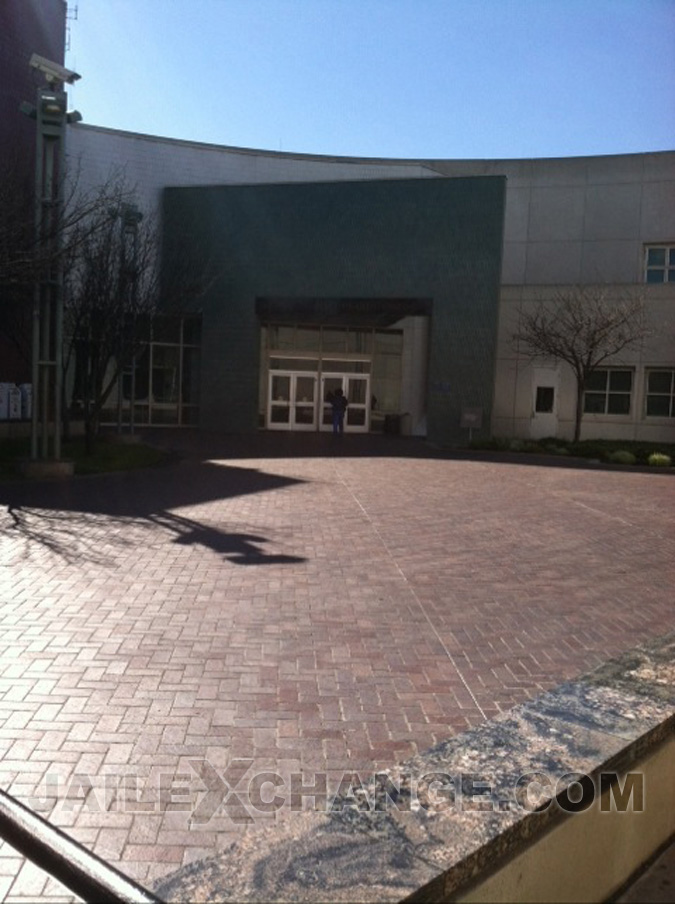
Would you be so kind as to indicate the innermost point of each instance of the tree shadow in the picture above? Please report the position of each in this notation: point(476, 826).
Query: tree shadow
point(91, 518)
point(242, 549)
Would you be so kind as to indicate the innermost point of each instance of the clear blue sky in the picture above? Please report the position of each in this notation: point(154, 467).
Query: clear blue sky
point(395, 78)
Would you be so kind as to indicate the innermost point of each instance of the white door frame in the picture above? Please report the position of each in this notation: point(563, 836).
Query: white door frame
point(354, 408)
point(301, 413)
point(544, 423)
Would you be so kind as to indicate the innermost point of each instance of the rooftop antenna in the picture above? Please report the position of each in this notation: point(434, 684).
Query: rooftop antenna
point(71, 16)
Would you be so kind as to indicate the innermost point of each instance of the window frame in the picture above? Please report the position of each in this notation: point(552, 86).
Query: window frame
point(668, 395)
point(666, 269)
point(609, 391)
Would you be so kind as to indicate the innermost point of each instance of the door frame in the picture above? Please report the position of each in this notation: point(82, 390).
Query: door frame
point(292, 402)
point(544, 423)
point(326, 419)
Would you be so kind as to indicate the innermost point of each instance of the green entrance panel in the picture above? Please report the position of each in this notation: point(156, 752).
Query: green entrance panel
point(360, 253)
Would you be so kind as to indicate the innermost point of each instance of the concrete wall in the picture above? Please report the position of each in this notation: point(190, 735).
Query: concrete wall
point(150, 164)
point(573, 222)
point(591, 854)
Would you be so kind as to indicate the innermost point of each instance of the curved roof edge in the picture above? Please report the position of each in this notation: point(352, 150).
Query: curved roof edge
point(400, 161)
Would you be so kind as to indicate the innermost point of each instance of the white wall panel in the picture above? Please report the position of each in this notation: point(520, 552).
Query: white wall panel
point(612, 212)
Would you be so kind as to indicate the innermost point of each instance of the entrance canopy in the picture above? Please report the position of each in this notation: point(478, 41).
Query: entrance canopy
point(356, 312)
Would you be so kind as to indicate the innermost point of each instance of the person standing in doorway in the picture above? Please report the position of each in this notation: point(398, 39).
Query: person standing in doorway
point(338, 402)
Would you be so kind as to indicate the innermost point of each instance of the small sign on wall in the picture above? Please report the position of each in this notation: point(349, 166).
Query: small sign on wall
point(472, 418)
point(14, 403)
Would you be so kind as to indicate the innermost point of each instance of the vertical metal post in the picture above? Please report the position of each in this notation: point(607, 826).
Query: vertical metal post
point(132, 400)
point(47, 342)
point(132, 218)
point(37, 297)
point(57, 286)
point(121, 326)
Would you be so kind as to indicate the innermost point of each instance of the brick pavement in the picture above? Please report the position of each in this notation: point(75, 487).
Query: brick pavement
point(295, 603)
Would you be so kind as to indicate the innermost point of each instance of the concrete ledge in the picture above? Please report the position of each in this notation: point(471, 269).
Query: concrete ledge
point(47, 470)
point(591, 854)
point(460, 823)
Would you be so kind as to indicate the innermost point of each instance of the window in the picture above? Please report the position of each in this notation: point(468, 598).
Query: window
point(167, 375)
point(544, 401)
point(660, 264)
point(608, 391)
point(660, 393)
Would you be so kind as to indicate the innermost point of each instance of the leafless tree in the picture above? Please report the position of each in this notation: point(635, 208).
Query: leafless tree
point(28, 254)
point(584, 327)
point(110, 257)
point(111, 288)
point(116, 277)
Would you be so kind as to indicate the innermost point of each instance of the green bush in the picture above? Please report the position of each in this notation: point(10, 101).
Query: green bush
point(554, 449)
point(495, 443)
point(627, 452)
point(659, 460)
point(588, 448)
point(622, 457)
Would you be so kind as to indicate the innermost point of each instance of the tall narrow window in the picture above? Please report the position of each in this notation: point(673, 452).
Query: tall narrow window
point(544, 399)
point(660, 401)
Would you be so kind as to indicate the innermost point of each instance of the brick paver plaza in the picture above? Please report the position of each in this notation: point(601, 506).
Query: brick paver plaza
point(298, 605)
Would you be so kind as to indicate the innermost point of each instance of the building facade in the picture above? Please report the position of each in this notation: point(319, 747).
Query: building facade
point(606, 221)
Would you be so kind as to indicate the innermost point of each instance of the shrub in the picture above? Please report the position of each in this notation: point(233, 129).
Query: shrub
point(659, 460)
point(495, 443)
point(589, 449)
point(622, 457)
point(554, 449)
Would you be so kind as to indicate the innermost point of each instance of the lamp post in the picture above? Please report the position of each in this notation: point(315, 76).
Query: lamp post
point(51, 116)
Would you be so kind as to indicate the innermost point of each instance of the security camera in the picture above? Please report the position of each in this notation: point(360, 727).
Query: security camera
point(53, 71)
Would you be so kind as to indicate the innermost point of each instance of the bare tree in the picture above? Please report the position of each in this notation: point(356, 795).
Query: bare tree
point(109, 253)
point(116, 277)
point(28, 255)
point(111, 282)
point(585, 328)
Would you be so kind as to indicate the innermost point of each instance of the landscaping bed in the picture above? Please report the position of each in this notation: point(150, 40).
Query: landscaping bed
point(623, 452)
point(107, 456)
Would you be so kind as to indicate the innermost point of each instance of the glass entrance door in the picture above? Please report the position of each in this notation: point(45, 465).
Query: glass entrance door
point(292, 401)
point(357, 390)
point(358, 411)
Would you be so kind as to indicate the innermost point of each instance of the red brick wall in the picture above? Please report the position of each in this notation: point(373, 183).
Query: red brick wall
point(26, 27)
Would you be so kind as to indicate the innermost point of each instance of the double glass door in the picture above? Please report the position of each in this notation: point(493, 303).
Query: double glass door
point(294, 402)
point(357, 390)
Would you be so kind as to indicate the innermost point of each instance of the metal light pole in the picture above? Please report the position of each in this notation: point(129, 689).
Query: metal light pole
point(130, 217)
point(51, 118)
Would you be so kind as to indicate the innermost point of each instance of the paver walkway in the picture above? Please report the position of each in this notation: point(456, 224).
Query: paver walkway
point(310, 606)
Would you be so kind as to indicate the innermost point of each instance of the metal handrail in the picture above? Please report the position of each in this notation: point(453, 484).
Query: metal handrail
point(85, 874)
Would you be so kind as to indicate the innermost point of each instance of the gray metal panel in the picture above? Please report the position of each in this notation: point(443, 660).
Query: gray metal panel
point(437, 239)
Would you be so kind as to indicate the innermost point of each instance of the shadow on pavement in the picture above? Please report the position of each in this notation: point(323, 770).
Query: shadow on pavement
point(63, 516)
